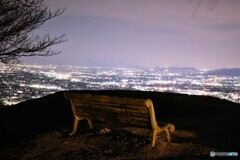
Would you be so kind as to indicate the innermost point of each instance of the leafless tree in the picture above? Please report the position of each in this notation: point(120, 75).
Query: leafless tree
point(18, 20)
point(211, 3)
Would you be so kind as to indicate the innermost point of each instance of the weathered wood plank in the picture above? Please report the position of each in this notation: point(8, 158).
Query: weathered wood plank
point(118, 122)
point(121, 118)
point(108, 108)
point(109, 116)
point(112, 120)
point(111, 113)
point(104, 99)
point(117, 107)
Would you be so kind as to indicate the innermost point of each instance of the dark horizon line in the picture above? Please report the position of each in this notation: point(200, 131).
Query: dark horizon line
point(130, 66)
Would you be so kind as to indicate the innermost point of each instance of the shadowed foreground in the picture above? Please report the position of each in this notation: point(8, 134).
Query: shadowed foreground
point(39, 128)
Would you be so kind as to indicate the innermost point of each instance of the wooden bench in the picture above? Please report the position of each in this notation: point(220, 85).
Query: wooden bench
point(121, 112)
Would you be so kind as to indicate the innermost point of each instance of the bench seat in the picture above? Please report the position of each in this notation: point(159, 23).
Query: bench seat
point(125, 113)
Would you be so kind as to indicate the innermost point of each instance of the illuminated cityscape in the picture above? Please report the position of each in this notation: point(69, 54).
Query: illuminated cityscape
point(33, 81)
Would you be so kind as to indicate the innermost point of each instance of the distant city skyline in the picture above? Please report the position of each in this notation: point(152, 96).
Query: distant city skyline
point(150, 33)
point(34, 81)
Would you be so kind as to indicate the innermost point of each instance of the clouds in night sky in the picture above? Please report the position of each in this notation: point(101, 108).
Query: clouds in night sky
point(146, 33)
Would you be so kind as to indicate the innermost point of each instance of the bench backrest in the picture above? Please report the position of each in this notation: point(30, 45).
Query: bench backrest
point(137, 112)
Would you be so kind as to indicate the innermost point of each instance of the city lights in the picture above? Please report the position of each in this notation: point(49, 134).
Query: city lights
point(31, 81)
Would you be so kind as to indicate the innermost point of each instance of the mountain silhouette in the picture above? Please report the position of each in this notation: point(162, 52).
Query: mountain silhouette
point(225, 72)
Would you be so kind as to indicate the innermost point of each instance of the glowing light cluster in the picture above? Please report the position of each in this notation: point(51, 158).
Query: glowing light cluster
point(39, 86)
point(27, 81)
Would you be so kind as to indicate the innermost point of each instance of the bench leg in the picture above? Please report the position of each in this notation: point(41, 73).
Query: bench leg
point(154, 135)
point(76, 120)
point(169, 129)
point(168, 135)
point(89, 123)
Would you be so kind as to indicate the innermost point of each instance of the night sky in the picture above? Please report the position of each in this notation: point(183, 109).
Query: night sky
point(147, 33)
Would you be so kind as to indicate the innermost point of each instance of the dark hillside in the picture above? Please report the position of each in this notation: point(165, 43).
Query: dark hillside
point(201, 121)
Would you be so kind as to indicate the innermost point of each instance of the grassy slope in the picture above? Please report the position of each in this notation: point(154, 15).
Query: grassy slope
point(202, 123)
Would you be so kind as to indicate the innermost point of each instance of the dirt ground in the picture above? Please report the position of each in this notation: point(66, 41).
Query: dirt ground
point(38, 130)
point(115, 144)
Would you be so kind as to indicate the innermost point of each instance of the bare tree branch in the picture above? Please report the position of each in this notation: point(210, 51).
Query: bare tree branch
point(18, 20)
point(212, 4)
point(197, 7)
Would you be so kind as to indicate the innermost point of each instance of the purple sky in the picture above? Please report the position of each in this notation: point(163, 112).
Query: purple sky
point(146, 33)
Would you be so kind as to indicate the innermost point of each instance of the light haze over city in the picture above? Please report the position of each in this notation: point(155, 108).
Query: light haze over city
point(150, 33)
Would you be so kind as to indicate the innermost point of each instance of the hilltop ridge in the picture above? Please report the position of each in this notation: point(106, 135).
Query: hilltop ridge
point(202, 124)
